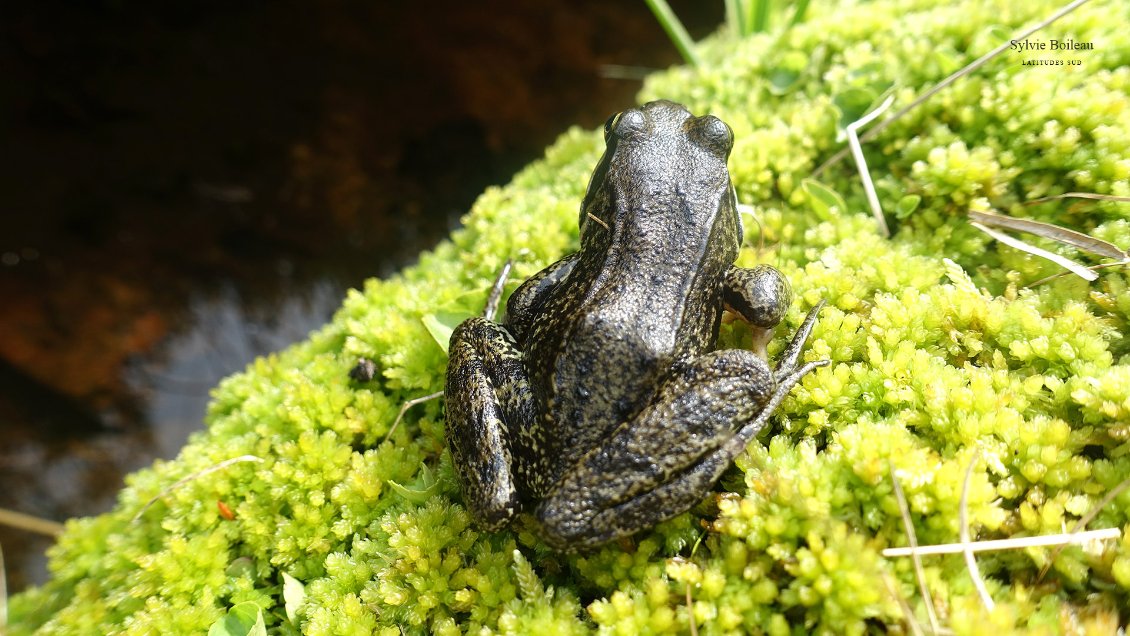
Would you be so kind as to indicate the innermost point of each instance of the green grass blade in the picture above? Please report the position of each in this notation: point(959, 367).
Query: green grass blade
point(759, 21)
point(674, 29)
point(735, 18)
point(798, 15)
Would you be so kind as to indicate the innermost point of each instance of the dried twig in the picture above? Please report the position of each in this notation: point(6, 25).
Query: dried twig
point(495, 295)
point(1079, 195)
point(407, 405)
point(907, 613)
point(690, 611)
point(748, 210)
point(1053, 232)
point(970, 562)
point(1066, 263)
point(1090, 267)
point(912, 539)
point(967, 547)
point(3, 595)
point(624, 72)
point(1066, 538)
point(599, 220)
point(197, 475)
point(861, 163)
point(690, 599)
point(27, 522)
point(1083, 521)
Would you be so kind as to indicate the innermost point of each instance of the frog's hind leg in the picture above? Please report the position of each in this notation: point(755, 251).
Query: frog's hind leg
point(667, 459)
point(488, 404)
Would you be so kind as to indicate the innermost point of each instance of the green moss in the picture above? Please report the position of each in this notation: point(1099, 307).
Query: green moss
point(944, 352)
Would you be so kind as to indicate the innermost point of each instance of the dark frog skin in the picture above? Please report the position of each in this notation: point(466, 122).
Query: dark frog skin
point(599, 405)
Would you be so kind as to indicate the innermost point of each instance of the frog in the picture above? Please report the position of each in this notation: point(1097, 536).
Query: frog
point(599, 405)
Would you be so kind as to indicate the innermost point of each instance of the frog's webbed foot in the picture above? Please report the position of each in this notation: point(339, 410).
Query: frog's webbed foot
point(488, 402)
point(786, 362)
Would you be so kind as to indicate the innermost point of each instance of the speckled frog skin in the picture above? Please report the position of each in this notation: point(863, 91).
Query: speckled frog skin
point(599, 405)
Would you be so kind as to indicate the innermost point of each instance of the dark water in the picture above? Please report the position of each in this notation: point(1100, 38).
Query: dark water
point(187, 185)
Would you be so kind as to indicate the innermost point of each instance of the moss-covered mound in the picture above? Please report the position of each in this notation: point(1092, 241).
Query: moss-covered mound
point(945, 354)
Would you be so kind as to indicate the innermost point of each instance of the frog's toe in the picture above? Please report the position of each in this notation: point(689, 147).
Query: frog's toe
point(787, 362)
point(498, 514)
point(564, 530)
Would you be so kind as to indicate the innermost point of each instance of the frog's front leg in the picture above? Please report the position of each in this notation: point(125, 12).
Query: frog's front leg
point(489, 407)
point(666, 459)
point(525, 304)
point(760, 295)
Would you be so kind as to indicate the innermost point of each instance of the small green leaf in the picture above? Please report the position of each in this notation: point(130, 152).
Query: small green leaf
point(907, 205)
point(866, 71)
point(798, 14)
point(825, 202)
point(423, 489)
point(244, 619)
point(785, 74)
point(854, 103)
point(441, 324)
point(529, 585)
point(759, 16)
point(735, 18)
point(242, 566)
point(294, 594)
point(781, 80)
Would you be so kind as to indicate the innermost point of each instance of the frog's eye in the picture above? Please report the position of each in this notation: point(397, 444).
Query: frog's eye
point(625, 125)
point(711, 133)
point(610, 125)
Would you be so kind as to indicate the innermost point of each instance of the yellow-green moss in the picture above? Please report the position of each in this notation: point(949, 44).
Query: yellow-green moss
point(942, 353)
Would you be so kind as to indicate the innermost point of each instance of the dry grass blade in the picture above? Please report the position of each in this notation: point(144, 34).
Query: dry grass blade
point(972, 66)
point(1066, 263)
point(23, 521)
point(861, 163)
point(1084, 520)
point(1103, 503)
point(907, 613)
point(690, 599)
point(197, 475)
point(624, 72)
point(1053, 232)
point(748, 210)
point(1079, 195)
point(1007, 544)
point(1092, 268)
point(970, 561)
point(404, 409)
point(912, 539)
point(495, 295)
point(598, 220)
point(690, 612)
point(3, 594)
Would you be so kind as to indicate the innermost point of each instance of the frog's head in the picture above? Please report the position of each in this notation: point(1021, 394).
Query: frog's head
point(662, 167)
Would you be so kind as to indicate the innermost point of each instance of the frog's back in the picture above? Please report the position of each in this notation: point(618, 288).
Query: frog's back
point(645, 291)
point(616, 352)
point(623, 333)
